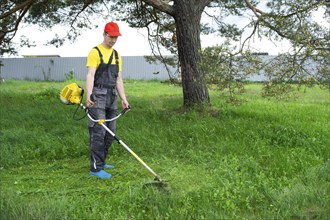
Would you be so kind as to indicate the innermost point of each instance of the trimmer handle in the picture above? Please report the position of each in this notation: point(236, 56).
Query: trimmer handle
point(125, 110)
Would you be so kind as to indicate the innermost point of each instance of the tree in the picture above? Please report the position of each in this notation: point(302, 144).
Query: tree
point(187, 16)
point(176, 25)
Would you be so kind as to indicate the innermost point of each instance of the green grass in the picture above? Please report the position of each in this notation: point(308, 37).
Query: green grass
point(264, 159)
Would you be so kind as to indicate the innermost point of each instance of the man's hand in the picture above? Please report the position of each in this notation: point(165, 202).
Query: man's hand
point(124, 104)
point(89, 102)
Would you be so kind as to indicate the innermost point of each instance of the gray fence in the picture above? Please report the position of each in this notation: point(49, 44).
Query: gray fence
point(59, 68)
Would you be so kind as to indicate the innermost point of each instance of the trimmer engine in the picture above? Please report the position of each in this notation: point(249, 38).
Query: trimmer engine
point(71, 94)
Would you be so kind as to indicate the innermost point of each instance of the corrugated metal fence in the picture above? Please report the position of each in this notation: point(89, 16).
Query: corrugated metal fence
point(59, 68)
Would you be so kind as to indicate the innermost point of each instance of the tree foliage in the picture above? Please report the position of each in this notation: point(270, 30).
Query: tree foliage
point(177, 25)
point(74, 14)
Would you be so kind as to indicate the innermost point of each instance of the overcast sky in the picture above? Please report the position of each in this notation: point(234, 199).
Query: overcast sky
point(133, 42)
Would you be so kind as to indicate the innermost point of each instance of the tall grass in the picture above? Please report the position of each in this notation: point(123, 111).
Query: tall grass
point(264, 159)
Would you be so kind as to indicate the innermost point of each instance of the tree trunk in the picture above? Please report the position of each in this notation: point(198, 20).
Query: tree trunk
point(187, 16)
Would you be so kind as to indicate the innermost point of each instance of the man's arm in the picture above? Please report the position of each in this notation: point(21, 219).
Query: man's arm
point(121, 91)
point(89, 85)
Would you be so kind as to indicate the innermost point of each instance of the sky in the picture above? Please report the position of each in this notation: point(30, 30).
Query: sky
point(133, 42)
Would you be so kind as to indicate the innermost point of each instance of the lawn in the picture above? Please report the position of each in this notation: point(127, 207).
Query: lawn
point(263, 159)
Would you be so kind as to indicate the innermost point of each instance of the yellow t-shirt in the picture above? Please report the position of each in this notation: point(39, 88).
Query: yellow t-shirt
point(93, 59)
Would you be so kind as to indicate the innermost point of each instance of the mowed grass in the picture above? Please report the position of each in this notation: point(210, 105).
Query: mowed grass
point(264, 159)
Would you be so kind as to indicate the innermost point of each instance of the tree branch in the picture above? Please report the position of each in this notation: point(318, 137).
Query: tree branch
point(255, 26)
point(255, 10)
point(86, 4)
point(205, 3)
point(262, 20)
point(24, 7)
point(161, 5)
point(27, 4)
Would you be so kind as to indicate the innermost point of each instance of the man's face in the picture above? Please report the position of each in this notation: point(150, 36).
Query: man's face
point(110, 40)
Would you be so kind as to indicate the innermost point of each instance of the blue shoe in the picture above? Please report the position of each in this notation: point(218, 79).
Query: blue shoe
point(108, 166)
point(101, 174)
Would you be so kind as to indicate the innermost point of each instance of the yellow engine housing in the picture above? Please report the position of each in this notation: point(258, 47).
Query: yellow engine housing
point(71, 94)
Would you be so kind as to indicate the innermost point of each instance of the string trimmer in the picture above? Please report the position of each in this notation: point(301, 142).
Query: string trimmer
point(72, 94)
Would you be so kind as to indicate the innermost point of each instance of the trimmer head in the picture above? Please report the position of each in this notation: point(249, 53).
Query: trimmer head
point(159, 183)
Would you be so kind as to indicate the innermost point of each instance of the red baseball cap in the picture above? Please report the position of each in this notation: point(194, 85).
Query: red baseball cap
point(112, 29)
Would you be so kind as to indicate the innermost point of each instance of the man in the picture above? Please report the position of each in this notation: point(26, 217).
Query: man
point(103, 82)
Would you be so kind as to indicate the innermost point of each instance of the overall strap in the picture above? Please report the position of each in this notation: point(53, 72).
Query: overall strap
point(100, 54)
point(116, 57)
point(97, 74)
